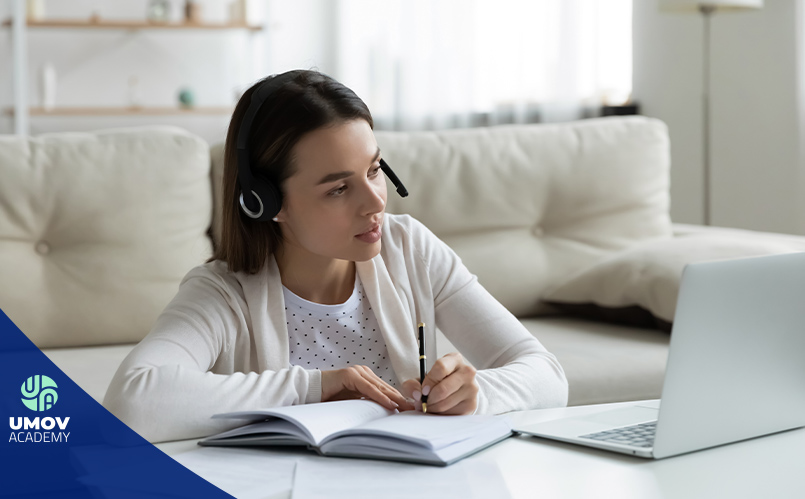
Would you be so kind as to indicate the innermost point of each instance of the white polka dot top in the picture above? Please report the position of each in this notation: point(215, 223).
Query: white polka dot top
point(328, 337)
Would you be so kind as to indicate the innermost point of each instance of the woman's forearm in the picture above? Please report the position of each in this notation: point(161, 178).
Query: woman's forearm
point(532, 380)
point(171, 401)
point(515, 371)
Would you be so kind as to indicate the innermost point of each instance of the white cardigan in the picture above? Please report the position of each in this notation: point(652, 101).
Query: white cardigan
point(221, 344)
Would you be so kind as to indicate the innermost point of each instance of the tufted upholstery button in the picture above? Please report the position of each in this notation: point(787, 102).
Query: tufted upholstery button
point(42, 248)
point(539, 231)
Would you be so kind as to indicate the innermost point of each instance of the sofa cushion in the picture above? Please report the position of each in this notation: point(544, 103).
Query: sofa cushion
point(604, 362)
point(525, 206)
point(648, 275)
point(97, 229)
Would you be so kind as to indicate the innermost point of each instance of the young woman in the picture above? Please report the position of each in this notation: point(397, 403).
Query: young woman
point(314, 293)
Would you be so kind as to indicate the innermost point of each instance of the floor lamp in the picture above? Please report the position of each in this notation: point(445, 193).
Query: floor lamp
point(707, 9)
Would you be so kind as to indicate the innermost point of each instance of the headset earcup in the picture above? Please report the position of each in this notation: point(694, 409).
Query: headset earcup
point(272, 200)
point(269, 200)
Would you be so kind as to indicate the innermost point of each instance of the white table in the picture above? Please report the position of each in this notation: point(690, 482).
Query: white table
point(771, 466)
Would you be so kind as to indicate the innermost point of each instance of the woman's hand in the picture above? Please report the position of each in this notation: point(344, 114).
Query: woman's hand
point(360, 382)
point(450, 386)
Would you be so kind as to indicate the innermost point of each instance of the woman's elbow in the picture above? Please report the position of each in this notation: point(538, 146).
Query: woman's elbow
point(559, 391)
point(559, 387)
point(562, 392)
point(126, 400)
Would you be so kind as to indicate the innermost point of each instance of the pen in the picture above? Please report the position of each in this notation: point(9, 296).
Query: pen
point(422, 363)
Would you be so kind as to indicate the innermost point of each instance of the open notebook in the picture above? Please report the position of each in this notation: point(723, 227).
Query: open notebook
point(362, 428)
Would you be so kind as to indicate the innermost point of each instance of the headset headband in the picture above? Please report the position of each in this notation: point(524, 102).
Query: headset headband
point(259, 96)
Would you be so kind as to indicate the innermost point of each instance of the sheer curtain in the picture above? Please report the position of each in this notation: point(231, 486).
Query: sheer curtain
point(430, 64)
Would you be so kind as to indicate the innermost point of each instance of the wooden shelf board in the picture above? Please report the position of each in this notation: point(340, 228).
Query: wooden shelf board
point(126, 111)
point(122, 24)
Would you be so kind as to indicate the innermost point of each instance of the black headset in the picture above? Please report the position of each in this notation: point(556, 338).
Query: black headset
point(265, 200)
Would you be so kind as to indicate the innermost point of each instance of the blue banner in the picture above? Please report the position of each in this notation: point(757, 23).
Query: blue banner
point(59, 442)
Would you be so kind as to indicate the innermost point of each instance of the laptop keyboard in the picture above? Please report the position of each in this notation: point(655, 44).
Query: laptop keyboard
point(639, 435)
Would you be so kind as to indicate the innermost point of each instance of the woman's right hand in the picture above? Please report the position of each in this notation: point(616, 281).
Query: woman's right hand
point(360, 382)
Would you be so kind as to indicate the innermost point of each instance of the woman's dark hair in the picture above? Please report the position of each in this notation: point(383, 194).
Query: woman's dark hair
point(309, 101)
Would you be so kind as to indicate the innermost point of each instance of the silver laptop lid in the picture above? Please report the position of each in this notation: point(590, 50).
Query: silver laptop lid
point(736, 364)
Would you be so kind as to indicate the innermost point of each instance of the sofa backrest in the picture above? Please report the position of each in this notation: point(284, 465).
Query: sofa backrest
point(98, 229)
point(525, 206)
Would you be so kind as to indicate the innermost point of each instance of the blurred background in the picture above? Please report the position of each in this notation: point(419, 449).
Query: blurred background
point(433, 64)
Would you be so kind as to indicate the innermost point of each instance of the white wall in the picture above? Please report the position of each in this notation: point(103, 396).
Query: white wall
point(301, 35)
point(756, 81)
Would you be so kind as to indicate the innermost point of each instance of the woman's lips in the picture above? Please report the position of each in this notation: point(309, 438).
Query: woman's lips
point(371, 236)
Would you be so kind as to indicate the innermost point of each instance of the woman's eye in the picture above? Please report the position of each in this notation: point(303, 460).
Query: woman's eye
point(338, 191)
point(374, 172)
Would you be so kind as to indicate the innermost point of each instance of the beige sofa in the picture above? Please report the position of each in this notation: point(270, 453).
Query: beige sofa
point(97, 230)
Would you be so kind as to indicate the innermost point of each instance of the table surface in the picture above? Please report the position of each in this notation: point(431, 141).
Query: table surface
point(770, 466)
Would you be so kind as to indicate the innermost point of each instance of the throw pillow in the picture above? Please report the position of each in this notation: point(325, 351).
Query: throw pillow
point(647, 277)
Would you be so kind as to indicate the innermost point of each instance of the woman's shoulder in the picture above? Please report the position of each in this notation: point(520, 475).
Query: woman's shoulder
point(404, 226)
point(213, 270)
point(408, 237)
point(406, 233)
point(215, 273)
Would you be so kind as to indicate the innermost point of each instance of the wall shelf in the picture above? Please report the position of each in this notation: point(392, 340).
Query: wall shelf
point(126, 24)
point(19, 26)
point(126, 111)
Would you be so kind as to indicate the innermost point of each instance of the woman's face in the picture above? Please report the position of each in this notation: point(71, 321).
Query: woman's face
point(337, 193)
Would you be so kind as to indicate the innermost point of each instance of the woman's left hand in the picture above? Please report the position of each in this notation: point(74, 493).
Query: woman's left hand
point(450, 386)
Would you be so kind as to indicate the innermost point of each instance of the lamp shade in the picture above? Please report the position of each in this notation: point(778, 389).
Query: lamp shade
point(694, 6)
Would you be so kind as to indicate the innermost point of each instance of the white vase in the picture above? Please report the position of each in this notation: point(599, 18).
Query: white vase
point(35, 9)
point(134, 97)
point(47, 86)
point(238, 12)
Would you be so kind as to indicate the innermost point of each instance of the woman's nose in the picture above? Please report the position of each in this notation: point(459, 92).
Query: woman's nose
point(375, 197)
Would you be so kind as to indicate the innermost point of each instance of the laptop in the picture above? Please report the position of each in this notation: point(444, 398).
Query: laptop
point(735, 370)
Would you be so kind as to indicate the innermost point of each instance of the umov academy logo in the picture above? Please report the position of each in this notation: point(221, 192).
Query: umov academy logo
point(39, 394)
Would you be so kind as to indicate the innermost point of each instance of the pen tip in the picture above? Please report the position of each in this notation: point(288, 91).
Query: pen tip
point(424, 407)
point(421, 324)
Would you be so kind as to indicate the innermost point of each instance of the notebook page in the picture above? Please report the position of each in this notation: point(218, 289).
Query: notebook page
point(322, 419)
point(276, 426)
point(394, 448)
point(431, 431)
point(481, 439)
